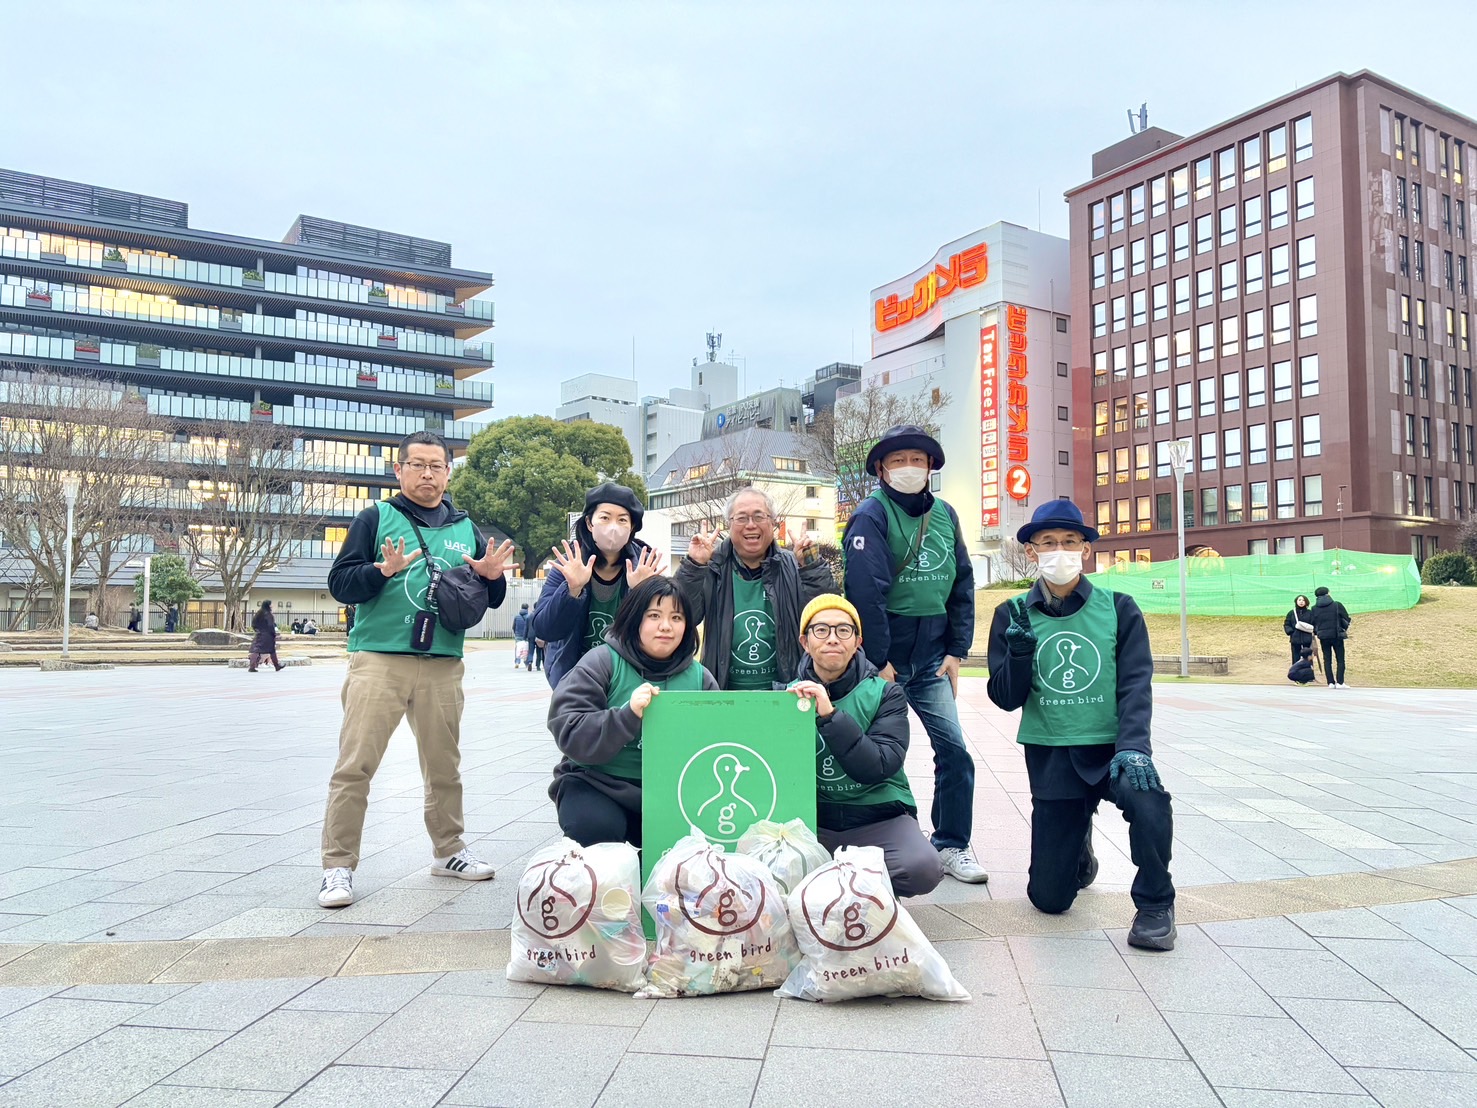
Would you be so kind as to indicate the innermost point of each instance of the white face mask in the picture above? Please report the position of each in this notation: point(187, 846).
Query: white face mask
point(1060, 567)
point(611, 537)
point(908, 479)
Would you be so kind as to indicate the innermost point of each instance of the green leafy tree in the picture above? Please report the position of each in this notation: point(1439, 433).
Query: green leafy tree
point(170, 583)
point(525, 474)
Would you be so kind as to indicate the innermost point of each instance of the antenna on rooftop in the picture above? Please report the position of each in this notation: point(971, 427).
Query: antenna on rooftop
point(715, 340)
point(1141, 123)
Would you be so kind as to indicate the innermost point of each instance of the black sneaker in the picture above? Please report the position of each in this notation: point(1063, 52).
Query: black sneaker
point(1087, 865)
point(1153, 930)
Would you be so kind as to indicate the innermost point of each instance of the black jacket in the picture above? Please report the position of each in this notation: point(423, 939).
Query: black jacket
point(788, 586)
point(1289, 626)
point(1330, 618)
point(353, 578)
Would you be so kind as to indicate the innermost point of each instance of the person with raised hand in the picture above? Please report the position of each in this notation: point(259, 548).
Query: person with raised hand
point(596, 712)
point(590, 576)
point(1076, 660)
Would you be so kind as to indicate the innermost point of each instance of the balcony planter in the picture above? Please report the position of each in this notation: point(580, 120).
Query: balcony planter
point(378, 293)
point(455, 309)
point(261, 412)
point(251, 279)
point(36, 299)
point(146, 354)
point(392, 341)
point(445, 386)
point(87, 350)
point(368, 380)
point(230, 321)
point(114, 259)
point(54, 257)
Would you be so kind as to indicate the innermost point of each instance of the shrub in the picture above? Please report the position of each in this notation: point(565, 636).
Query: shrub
point(1450, 567)
point(113, 255)
point(251, 275)
point(1022, 583)
point(147, 350)
point(1466, 538)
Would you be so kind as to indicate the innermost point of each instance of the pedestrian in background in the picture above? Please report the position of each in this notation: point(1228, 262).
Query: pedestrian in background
point(522, 648)
point(264, 637)
point(1331, 625)
point(1299, 630)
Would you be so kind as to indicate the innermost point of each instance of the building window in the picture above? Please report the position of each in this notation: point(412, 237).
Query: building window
point(1256, 547)
point(1120, 415)
point(1312, 435)
point(1455, 437)
point(1305, 198)
point(1281, 323)
point(1120, 363)
point(1256, 387)
point(1415, 202)
point(1226, 168)
point(1141, 461)
point(1205, 342)
point(1231, 391)
point(1188, 507)
point(1159, 252)
point(1062, 413)
point(1409, 365)
point(1100, 419)
point(1181, 241)
point(1161, 353)
point(1181, 295)
point(1425, 436)
point(1063, 458)
point(1251, 216)
point(1403, 256)
point(1232, 456)
point(1425, 378)
point(1401, 190)
point(1258, 502)
point(1313, 495)
point(1228, 225)
point(1183, 402)
point(1287, 544)
point(1415, 143)
point(1281, 382)
point(1061, 369)
point(1420, 319)
point(1446, 213)
point(1256, 444)
point(1276, 149)
point(1182, 348)
point(1302, 138)
point(1308, 374)
point(1410, 436)
point(1280, 265)
point(1207, 396)
point(1140, 301)
point(1251, 158)
point(1117, 272)
point(1136, 204)
point(1404, 314)
point(1099, 320)
point(1161, 300)
point(1254, 268)
point(1099, 270)
point(1461, 274)
point(1120, 313)
point(1115, 213)
point(790, 465)
point(1104, 517)
point(1143, 521)
point(1095, 214)
point(1156, 197)
point(1202, 178)
point(1399, 138)
point(1136, 257)
point(1100, 460)
point(1307, 316)
point(1233, 503)
point(1162, 467)
point(1256, 329)
point(1454, 382)
point(1230, 279)
point(1230, 336)
point(1120, 465)
point(1307, 257)
point(1209, 452)
point(1164, 511)
point(1204, 233)
point(1448, 272)
point(1457, 148)
point(1210, 514)
point(1161, 405)
point(1461, 219)
point(1420, 261)
point(1277, 208)
point(1204, 288)
point(1179, 186)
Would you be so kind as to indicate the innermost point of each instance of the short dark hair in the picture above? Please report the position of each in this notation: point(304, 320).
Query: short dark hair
point(626, 627)
point(424, 438)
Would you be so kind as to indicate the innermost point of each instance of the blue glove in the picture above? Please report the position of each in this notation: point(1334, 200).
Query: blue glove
point(1137, 768)
point(1020, 640)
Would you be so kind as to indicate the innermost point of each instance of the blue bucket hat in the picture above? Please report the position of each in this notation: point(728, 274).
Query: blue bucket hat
point(1056, 513)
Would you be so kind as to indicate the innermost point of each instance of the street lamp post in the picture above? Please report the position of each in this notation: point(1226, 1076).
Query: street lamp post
point(1340, 507)
point(71, 486)
point(148, 584)
point(1179, 461)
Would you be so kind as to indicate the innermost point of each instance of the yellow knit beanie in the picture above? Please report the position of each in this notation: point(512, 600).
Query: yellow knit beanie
point(826, 602)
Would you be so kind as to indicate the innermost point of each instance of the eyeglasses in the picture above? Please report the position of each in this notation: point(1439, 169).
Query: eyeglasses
point(753, 517)
point(842, 631)
point(1066, 544)
point(425, 467)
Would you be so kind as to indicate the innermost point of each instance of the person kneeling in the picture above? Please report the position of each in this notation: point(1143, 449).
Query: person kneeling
point(596, 711)
point(861, 722)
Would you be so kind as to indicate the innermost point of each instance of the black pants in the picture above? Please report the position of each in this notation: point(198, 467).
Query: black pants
point(588, 816)
point(539, 656)
point(1059, 832)
point(1333, 648)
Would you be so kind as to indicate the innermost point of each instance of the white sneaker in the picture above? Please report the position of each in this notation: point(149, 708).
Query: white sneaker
point(463, 865)
point(959, 863)
point(338, 888)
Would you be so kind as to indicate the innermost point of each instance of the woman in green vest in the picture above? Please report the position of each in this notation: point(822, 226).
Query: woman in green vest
point(861, 722)
point(596, 710)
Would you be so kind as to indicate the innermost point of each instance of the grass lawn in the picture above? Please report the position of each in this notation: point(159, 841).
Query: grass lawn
point(1433, 645)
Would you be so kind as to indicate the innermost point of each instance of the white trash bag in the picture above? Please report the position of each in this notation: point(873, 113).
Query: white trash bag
point(858, 940)
point(577, 920)
point(790, 850)
point(520, 652)
point(720, 923)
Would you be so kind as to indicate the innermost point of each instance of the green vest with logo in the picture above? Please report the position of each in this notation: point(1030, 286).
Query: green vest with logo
point(832, 784)
point(625, 679)
point(383, 625)
point(751, 653)
point(1074, 677)
point(927, 579)
point(602, 614)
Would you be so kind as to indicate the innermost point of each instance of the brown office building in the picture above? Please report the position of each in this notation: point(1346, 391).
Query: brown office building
point(1289, 291)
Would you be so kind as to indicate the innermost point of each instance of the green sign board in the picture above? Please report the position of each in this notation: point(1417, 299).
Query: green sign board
point(720, 761)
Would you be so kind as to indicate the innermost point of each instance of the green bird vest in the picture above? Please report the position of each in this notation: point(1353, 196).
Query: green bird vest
point(625, 679)
point(928, 569)
point(751, 652)
point(1074, 678)
point(382, 625)
point(832, 784)
point(602, 612)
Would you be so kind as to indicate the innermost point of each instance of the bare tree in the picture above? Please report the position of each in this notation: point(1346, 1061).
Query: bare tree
point(1015, 563)
point(120, 453)
point(841, 437)
point(719, 467)
point(252, 498)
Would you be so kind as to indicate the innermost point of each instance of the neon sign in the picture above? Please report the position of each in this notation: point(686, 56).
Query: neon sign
point(989, 428)
point(1017, 405)
point(965, 270)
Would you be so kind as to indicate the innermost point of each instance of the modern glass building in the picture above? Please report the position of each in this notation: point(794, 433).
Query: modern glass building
point(345, 337)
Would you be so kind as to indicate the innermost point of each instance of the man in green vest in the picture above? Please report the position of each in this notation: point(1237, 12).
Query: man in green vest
point(747, 593)
point(1076, 661)
point(861, 722)
point(381, 569)
point(908, 573)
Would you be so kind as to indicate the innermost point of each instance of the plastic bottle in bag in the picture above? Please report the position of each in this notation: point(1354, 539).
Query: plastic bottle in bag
point(789, 850)
point(858, 940)
point(577, 919)
point(720, 920)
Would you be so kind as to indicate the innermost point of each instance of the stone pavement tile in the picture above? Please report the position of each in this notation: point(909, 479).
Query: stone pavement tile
point(1101, 1021)
point(182, 920)
point(1456, 877)
point(263, 922)
point(1467, 904)
point(167, 888)
point(428, 953)
point(61, 895)
point(15, 997)
point(735, 1026)
point(1095, 1081)
point(1019, 917)
point(1277, 933)
point(93, 963)
point(1255, 1052)
point(40, 1032)
point(1313, 974)
point(937, 924)
point(1378, 1035)
point(575, 1005)
point(187, 1096)
point(331, 928)
point(707, 1082)
point(128, 994)
point(374, 1087)
point(1347, 923)
point(223, 1005)
point(795, 1077)
point(280, 1051)
point(1197, 976)
point(997, 1024)
point(535, 1065)
point(9, 952)
point(1401, 1088)
point(363, 994)
point(1440, 991)
point(226, 959)
point(1436, 923)
point(73, 924)
point(1368, 889)
point(1265, 1098)
point(437, 1032)
point(16, 881)
point(1057, 960)
point(399, 907)
point(109, 1069)
point(483, 983)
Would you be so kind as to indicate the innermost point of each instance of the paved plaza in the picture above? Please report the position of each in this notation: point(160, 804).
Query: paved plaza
point(161, 942)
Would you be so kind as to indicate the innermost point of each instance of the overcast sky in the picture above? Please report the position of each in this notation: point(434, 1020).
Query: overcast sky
point(653, 171)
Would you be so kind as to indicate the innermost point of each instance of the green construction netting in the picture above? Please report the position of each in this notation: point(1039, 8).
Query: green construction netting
point(1265, 585)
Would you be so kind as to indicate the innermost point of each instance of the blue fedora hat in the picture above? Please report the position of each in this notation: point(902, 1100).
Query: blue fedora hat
point(1056, 513)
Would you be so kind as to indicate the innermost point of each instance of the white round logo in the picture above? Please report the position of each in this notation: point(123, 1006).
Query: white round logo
point(1068, 663)
point(724, 788)
point(749, 649)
